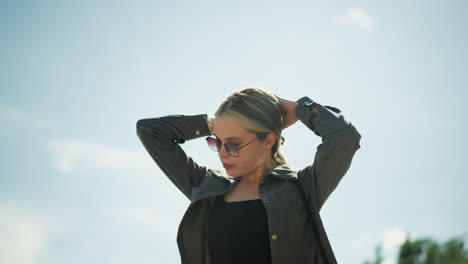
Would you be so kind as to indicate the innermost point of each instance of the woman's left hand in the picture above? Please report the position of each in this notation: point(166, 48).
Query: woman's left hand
point(288, 109)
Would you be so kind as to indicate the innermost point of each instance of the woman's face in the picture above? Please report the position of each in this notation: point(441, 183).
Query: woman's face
point(250, 158)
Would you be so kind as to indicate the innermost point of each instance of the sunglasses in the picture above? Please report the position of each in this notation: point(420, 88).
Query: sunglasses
point(231, 148)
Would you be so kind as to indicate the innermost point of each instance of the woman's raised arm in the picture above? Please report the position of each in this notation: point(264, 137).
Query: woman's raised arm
point(161, 137)
point(340, 140)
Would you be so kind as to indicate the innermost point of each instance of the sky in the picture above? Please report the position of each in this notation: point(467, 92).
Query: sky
point(77, 185)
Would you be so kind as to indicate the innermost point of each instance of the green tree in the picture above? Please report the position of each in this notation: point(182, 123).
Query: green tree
point(428, 251)
point(451, 252)
point(412, 251)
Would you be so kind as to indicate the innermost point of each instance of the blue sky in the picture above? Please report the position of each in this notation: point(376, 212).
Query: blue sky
point(77, 186)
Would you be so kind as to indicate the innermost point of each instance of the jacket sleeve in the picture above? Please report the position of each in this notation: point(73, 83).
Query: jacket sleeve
point(162, 136)
point(340, 140)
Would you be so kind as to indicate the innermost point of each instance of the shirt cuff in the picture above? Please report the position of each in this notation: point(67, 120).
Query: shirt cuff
point(306, 112)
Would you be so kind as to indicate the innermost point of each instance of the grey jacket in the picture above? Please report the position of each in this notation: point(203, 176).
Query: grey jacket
point(294, 238)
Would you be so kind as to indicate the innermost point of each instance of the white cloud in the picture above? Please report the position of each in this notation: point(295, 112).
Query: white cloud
point(70, 155)
point(147, 218)
point(389, 261)
point(358, 17)
point(392, 238)
point(24, 235)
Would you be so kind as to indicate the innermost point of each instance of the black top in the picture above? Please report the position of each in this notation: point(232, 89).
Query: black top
point(238, 232)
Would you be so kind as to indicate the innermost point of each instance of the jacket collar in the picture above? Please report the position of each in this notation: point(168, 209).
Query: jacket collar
point(282, 172)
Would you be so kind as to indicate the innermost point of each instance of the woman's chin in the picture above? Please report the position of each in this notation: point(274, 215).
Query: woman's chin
point(232, 174)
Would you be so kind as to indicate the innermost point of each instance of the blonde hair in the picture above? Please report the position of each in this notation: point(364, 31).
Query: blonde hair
point(257, 111)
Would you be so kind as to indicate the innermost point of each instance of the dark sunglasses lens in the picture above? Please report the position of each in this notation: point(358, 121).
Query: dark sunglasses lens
point(231, 149)
point(212, 143)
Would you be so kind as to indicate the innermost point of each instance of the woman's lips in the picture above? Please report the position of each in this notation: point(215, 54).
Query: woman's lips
point(227, 166)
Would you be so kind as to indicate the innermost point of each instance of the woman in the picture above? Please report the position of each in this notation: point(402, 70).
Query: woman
point(253, 212)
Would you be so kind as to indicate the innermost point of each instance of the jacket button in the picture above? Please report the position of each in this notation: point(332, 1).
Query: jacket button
point(274, 237)
point(262, 182)
point(197, 132)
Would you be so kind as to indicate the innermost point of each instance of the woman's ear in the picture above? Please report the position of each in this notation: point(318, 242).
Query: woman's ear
point(271, 140)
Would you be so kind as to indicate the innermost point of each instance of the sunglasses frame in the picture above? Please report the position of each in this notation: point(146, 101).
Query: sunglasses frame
point(229, 146)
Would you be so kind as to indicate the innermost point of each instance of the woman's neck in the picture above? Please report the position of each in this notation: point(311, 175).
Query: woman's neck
point(257, 175)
